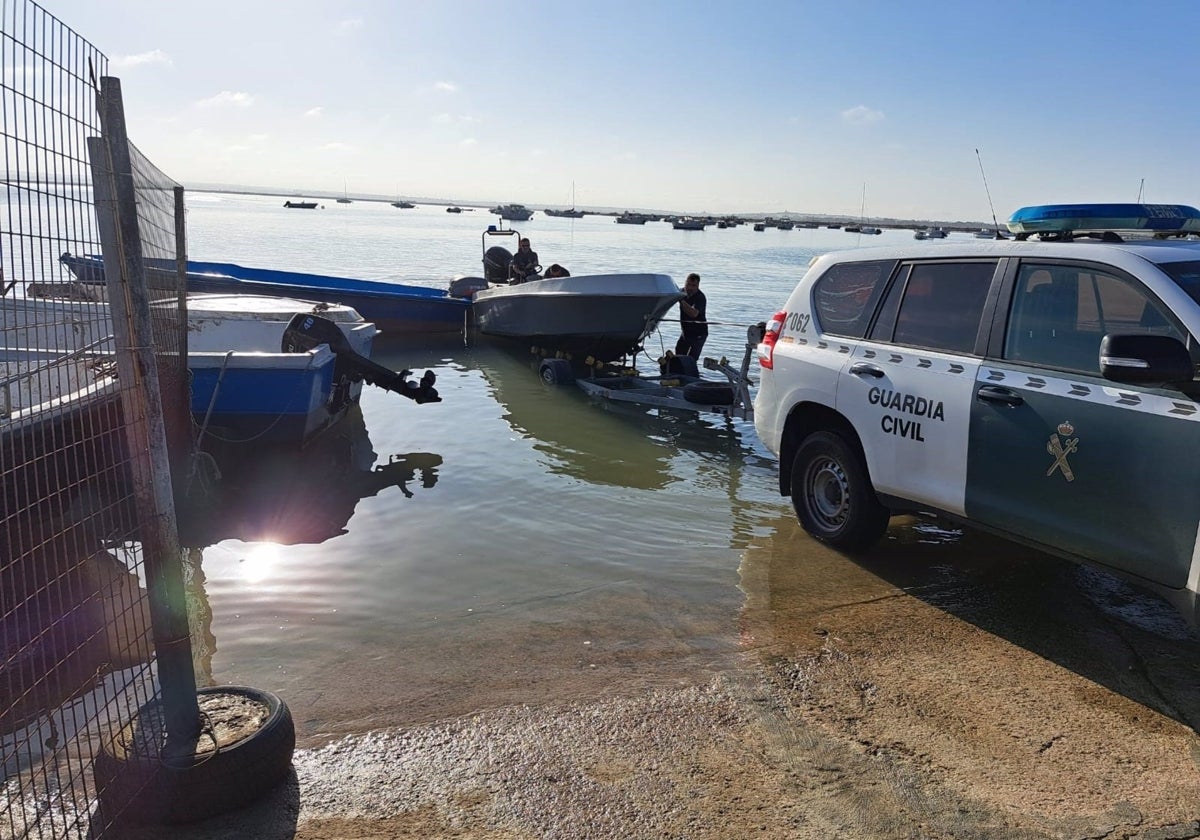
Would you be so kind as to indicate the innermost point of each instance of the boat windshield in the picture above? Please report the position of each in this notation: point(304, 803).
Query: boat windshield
point(1186, 276)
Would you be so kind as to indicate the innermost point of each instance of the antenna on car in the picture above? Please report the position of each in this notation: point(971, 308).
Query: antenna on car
point(1141, 187)
point(995, 224)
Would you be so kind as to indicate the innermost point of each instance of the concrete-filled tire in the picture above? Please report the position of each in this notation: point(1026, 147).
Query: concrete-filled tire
point(707, 392)
point(556, 372)
point(832, 493)
point(136, 788)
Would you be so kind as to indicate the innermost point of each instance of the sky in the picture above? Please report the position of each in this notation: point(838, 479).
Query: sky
point(914, 110)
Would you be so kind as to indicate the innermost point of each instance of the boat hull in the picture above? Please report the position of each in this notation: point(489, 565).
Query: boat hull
point(396, 309)
point(605, 316)
point(254, 393)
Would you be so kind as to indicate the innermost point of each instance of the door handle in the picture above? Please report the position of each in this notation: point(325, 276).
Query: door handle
point(992, 393)
point(864, 369)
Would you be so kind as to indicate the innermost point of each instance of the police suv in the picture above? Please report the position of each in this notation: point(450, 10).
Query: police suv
point(1043, 388)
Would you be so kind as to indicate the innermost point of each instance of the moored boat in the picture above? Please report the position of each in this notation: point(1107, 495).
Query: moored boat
point(628, 218)
point(255, 373)
point(301, 205)
point(513, 212)
point(605, 316)
point(395, 308)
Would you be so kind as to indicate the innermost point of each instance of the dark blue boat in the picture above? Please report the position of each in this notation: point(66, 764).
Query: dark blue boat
point(396, 309)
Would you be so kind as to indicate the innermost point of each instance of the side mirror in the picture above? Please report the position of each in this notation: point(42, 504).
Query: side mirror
point(1146, 359)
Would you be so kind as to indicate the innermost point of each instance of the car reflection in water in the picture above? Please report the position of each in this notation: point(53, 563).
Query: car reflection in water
point(290, 497)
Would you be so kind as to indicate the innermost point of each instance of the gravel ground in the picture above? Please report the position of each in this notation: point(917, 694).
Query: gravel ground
point(896, 698)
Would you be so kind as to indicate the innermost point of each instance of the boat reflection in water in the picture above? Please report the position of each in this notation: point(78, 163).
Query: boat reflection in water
point(623, 446)
point(289, 497)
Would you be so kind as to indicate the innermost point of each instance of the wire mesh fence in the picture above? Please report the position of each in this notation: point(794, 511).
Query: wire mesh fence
point(79, 653)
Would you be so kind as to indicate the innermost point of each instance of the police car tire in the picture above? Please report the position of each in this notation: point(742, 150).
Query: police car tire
point(832, 493)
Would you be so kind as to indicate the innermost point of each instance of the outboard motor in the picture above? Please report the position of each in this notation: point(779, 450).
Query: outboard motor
point(496, 261)
point(307, 330)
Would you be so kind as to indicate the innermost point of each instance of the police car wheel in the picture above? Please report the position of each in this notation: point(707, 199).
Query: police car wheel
point(832, 493)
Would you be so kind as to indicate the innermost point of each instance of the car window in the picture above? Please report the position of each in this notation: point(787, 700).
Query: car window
point(845, 296)
point(1186, 275)
point(1060, 314)
point(941, 305)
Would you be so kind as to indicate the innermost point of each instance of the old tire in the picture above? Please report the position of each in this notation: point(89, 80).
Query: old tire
point(832, 493)
point(137, 788)
point(707, 392)
point(556, 372)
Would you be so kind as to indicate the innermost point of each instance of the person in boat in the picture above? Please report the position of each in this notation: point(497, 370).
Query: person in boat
point(524, 263)
point(693, 315)
point(556, 270)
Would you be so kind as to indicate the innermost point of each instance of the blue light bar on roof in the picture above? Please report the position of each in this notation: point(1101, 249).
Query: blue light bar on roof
point(1066, 218)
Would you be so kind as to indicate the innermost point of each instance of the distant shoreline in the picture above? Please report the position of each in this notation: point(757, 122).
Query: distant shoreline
point(823, 219)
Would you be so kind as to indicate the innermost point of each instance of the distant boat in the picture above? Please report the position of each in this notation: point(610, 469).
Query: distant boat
point(568, 214)
point(345, 199)
point(863, 227)
point(689, 223)
point(453, 209)
point(760, 226)
point(301, 205)
point(628, 218)
point(513, 212)
point(403, 205)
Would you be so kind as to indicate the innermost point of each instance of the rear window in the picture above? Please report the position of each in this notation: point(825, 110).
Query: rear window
point(1186, 276)
point(845, 296)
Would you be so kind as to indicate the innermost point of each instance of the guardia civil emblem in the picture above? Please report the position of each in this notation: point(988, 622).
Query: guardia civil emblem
point(1060, 445)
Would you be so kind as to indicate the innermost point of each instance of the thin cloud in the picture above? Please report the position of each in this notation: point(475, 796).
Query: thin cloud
point(349, 25)
point(227, 99)
point(338, 147)
point(128, 62)
point(313, 113)
point(468, 141)
point(445, 87)
point(862, 115)
point(453, 119)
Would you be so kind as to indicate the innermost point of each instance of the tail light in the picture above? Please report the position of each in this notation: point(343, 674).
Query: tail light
point(766, 350)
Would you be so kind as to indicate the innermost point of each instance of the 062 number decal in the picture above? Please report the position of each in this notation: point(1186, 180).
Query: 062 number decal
point(799, 321)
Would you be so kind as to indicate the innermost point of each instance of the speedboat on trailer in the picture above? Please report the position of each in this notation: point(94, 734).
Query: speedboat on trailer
point(604, 316)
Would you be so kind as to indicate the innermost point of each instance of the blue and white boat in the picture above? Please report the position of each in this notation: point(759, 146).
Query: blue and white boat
point(252, 378)
point(394, 308)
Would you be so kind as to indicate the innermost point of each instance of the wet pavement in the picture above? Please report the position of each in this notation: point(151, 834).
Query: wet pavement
point(944, 685)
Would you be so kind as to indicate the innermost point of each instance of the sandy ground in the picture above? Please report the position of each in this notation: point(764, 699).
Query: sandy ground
point(892, 698)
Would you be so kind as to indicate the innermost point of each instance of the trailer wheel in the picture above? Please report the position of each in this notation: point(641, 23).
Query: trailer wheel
point(137, 788)
point(708, 392)
point(556, 372)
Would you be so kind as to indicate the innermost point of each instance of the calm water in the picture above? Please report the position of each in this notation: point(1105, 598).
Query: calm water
point(513, 543)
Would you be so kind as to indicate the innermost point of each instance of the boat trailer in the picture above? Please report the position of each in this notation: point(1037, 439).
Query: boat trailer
point(679, 387)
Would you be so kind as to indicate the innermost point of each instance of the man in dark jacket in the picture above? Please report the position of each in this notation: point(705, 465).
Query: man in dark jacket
point(693, 319)
point(524, 263)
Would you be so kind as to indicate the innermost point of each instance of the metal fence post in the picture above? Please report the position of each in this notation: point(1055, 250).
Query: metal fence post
point(145, 431)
